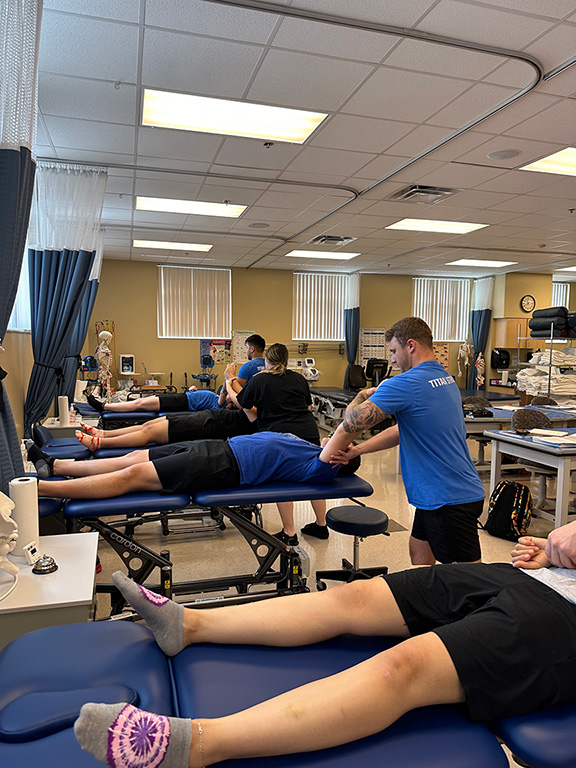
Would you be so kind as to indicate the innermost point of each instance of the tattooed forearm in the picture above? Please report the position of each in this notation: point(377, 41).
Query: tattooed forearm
point(364, 416)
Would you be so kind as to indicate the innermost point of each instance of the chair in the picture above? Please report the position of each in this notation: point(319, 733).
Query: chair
point(543, 400)
point(356, 378)
point(360, 522)
point(527, 418)
point(482, 441)
point(376, 370)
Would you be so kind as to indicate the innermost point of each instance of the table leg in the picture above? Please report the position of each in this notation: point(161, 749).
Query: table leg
point(495, 465)
point(562, 493)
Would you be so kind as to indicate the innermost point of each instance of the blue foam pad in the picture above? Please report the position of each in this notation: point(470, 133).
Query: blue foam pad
point(130, 503)
point(542, 739)
point(71, 659)
point(340, 488)
point(86, 411)
point(47, 507)
point(213, 681)
point(112, 453)
point(66, 448)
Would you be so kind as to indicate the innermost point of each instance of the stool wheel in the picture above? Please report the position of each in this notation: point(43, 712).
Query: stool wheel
point(320, 586)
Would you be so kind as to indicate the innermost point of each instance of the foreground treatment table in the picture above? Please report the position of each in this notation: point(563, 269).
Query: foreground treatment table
point(559, 457)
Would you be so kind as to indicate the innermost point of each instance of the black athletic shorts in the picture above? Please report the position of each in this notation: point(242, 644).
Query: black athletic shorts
point(204, 465)
point(211, 424)
point(173, 402)
point(511, 638)
point(451, 531)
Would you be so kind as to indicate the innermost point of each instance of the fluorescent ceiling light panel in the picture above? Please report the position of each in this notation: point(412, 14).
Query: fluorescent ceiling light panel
point(341, 255)
point(231, 118)
point(479, 263)
point(566, 269)
point(562, 162)
point(157, 244)
point(433, 225)
point(197, 208)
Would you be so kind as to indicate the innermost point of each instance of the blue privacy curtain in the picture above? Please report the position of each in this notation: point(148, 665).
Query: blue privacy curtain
point(63, 236)
point(352, 324)
point(57, 286)
point(19, 32)
point(72, 357)
point(480, 317)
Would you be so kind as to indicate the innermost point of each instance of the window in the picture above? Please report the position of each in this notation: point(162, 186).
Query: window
point(318, 306)
point(194, 303)
point(560, 294)
point(21, 314)
point(444, 304)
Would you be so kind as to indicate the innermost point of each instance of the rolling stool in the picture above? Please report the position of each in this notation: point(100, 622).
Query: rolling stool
point(359, 522)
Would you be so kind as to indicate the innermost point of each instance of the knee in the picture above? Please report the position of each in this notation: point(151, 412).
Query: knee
point(403, 667)
point(355, 595)
point(133, 476)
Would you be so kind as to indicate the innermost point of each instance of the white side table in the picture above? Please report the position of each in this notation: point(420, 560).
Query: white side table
point(63, 597)
point(53, 425)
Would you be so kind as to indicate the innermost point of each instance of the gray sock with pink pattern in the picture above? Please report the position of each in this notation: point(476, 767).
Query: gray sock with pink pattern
point(163, 616)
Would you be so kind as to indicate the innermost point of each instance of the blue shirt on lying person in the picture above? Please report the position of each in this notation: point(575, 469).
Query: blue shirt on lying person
point(202, 400)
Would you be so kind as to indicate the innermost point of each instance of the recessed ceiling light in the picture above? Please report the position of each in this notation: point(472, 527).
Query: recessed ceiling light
point(433, 225)
point(322, 255)
point(258, 225)
point(172, 246)
point(167, 205)
point(232, 118)
point(562, 162)
point(479, 263)
point(504, 154)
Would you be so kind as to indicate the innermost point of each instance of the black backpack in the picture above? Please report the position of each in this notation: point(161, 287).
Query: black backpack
point(509, 511)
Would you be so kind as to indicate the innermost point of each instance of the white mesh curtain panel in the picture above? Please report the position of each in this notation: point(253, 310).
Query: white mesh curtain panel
point(444, 305)
point(560, 294)
point(482, 293)
point(194, 303)
point(319, 301)
point(67, 207)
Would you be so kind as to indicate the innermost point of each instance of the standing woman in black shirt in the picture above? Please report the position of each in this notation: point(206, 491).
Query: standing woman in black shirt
point(280, 401)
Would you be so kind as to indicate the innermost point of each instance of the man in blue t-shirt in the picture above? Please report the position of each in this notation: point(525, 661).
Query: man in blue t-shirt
point(245, 460)
point(439, 476)
point(255, 346)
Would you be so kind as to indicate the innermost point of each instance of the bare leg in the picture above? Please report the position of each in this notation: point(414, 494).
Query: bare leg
point(140, 477)
point(72, 468)
point(420, 552)
point(124, 430)
point(286, 512)
point(418, 672)
point(319, 507)
point(155, 431)
point(151, 403)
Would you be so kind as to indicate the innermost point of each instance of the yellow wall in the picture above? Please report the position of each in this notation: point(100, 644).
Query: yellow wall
point(17, 361)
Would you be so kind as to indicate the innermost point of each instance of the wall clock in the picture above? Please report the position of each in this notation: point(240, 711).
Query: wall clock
point(527, 303)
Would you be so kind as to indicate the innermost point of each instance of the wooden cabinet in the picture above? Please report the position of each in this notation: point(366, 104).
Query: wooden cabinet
point(506, 333)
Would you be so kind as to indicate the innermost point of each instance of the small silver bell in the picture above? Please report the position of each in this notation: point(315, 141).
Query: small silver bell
point(45, 564)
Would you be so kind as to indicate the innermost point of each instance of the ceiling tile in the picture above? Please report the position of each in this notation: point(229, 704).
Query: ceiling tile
point(528, 152)
point(365, 133)
point(515, 73)
point(554, 47)
point(204, 18)
point(477, 101)
point(127, 10)
point(415, 96)
point(164, 142)
point(86, 99)
point(403, 14)
point(251, 153)
point(556, 124)
point(306, 82)
point(205, 66)
point(555, 9)
point(322, 160)
point(460, 175)
point(526, 107)
point(83, 134)
point(431, 58)
point(102, 50)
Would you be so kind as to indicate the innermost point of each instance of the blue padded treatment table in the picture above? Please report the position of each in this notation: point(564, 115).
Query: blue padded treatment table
point(542, 739)
point(136, 416)
point(86, 411)
point(43, 689)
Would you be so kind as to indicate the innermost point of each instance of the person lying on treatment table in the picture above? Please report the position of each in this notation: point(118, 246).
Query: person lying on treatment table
point(246, 460)
point(193, 400)
point(475, 634)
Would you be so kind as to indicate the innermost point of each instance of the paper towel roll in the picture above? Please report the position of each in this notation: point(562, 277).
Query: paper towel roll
point(63, 411)
point(79, 390)
point(24, 493)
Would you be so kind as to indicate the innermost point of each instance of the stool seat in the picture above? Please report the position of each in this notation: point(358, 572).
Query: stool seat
point(353, 520)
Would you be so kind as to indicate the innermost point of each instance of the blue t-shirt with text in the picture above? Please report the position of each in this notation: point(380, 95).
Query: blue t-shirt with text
point(436, 466)
point(251, 368)
point(267, 457)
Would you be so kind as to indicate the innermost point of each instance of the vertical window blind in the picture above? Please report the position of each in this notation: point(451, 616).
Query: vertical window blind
point(318, 305)
point(445, 305)
point(194, 303)
point(560, 294)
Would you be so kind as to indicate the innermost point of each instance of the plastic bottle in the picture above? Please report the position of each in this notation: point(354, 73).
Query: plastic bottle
point(72, 415)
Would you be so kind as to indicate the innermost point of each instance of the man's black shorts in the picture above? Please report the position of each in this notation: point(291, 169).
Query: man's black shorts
point(212, 424)
point(173, 402)
point(204, 465)
point(511, 638)
point(451, 531)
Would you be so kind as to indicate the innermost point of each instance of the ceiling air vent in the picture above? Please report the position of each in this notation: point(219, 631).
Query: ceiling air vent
point(332, 240)
point(418, 193)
